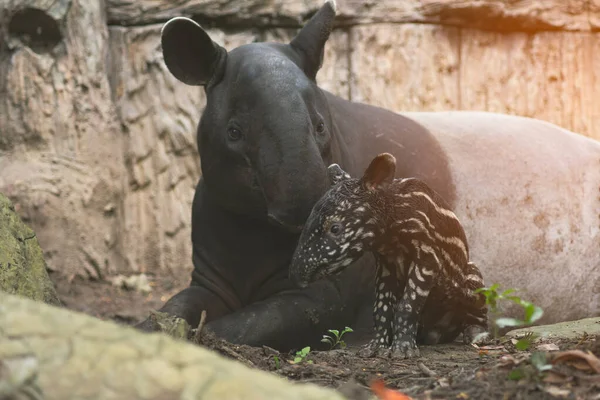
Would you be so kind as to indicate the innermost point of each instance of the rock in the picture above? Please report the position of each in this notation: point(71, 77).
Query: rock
point(22, 265)
point(79, 356)
point(566, 330)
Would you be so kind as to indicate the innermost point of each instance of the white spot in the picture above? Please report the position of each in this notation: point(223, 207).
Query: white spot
point(381, 285)
point(382, 319)
point(344, 247)
point(385, 272)
point(385, 308)
point(360, 209)
point(380, 304)
point(422, 292)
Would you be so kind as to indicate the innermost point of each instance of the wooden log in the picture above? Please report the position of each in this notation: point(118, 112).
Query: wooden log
point(56, 354)
point(504, 15)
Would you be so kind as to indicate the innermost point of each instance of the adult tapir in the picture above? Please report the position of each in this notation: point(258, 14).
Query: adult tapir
point(527, 191)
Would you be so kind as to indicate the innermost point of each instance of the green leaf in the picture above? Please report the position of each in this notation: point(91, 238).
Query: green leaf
point(523, 344)
point(508, 291)
point(297, 359)
point(335, 332)
point(348, 329)
point(516, 374)
point(539, 361)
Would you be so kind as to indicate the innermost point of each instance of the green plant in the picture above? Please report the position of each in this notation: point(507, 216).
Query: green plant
point(538, 361)
point(493, 296)
point(277, 362)
point(335, 338)
point(301, 356)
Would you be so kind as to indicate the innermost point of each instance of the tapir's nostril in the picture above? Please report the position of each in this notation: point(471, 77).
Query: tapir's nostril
point(274, 219)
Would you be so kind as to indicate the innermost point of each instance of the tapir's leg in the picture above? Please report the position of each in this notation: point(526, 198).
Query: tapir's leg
point(419, 282)
point(297, 318)
point(387, 291)
point(189, 304)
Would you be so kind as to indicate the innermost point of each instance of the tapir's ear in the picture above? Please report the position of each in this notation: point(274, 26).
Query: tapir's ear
point(309, 43)
point(380, 172)
point(189, 53)
point(336, 174)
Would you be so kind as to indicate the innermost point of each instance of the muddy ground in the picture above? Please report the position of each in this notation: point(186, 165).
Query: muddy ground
point(450, 371)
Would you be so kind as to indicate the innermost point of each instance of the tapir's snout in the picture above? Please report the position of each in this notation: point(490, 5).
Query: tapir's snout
point(299, 271)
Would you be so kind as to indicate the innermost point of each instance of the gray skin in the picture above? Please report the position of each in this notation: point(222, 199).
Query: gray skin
point(266, 137)
point(261, 175)
point(425, 282)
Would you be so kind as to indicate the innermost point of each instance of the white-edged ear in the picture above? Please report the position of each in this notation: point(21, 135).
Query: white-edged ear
point(189, 53)
point(336, 174)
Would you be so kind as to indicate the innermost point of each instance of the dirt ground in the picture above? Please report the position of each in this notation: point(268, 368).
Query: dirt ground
point(449, 371)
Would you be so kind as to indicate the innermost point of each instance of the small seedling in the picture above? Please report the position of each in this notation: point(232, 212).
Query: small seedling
point(277, 362)
point(526, 341)
point(493, 296)
point(540, 365)
point(301, 356)
point(335, 338)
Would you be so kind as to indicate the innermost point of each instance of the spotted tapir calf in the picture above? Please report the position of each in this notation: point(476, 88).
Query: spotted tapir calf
point(425, 282)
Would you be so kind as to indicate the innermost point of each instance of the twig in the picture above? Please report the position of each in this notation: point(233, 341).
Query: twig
point(197, 336)
point(237, 356)
point(426, 370)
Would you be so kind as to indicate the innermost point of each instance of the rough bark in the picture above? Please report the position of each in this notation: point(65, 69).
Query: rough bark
point(550, 76)
point(60, 144)
point(547, 75)
point(504, 15)
point(22, 265)
point(65, 355)
point(418, 71)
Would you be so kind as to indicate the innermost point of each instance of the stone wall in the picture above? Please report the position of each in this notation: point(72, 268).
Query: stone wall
point(97, 139)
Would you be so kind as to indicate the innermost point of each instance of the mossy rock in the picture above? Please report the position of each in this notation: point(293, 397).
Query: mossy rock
point(22, 266)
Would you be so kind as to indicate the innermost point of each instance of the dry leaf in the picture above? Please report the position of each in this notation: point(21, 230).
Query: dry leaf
point(547, 347)
point(498, 347)
point(462, 395)
point(443, 382)
point(578, 356)
point(555, 377)
point(378, 387)
point(555, 391)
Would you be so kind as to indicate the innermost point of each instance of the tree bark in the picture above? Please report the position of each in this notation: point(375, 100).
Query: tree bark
point(60, 144)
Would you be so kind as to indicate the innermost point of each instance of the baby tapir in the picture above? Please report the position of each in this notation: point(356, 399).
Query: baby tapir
point(425, 283)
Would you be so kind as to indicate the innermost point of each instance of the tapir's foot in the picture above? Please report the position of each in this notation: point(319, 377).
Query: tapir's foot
point(374, 349)
point(475, 334)
point(405, 347)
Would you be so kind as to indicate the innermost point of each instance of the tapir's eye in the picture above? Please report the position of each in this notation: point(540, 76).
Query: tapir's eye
point(234, 134)
point(320, 127)
point(335, 229)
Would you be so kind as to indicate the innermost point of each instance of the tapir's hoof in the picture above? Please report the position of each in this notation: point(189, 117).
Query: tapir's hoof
point(373, 349)
point(405, 348)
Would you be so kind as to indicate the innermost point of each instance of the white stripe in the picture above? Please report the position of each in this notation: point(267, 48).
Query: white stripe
point(451, 240)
